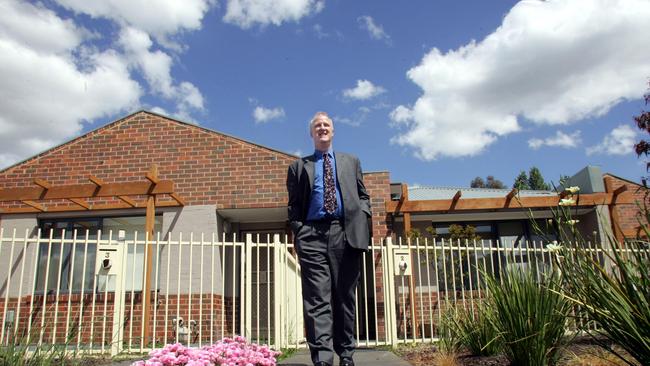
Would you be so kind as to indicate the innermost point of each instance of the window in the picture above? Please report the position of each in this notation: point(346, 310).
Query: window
point(63, 264)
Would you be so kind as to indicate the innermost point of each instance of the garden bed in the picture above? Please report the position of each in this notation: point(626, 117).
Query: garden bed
point(582, 351)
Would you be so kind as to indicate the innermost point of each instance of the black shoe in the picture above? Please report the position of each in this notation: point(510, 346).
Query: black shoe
point(346, 361)
point(322, 363)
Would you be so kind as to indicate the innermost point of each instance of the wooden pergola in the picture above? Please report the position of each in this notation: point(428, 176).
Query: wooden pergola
point(611, 198)
point(79, 194)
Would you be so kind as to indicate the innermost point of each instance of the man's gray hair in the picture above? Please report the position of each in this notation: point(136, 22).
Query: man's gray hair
point(319, 114)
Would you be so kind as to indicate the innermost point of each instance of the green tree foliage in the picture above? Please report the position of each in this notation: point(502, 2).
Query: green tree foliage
point(521, 182)
point(477, 182)
point(564, 180)
point(463, 233)
point(536, 180)
point(489, 182)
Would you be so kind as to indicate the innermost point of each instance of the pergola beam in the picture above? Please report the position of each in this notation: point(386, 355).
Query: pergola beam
point(87, 191)
point(510, 196)
point(38, 207)
point(128, 201)
point(613, 212)
point(81, 203)
point(152, 175)
point(407, 216)
point(591, 199)
point(455, 199)
point(96, 181)
point(42, 183)
point(75, 207)
point(177, 198)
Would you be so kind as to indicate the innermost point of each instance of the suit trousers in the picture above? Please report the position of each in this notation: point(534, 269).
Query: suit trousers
point(330, 271)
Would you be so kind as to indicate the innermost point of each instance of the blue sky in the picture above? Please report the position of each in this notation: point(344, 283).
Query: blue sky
point(435, 92)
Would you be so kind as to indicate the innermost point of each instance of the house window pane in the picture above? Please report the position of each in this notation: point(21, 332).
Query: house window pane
point(63, 264)
point(55, 260)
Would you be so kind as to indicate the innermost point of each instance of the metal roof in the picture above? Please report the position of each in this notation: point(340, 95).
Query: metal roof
point(446, 193)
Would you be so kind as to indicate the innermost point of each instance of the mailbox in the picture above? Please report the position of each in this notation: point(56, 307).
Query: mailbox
point(402, 261)
point(108, 264)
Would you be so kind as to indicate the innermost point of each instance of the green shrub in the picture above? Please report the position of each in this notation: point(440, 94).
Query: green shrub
point(474, 330)
point(19, 354)
point(529, 315)
point(614, 291)
point(448, 341)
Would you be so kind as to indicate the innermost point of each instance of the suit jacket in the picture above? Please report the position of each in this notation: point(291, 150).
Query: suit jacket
point(356, 202)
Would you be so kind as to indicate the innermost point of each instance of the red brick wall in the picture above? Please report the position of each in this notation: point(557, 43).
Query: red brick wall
point(629, 214)
point(96, 325)
point(207, 167)
point(378, 187)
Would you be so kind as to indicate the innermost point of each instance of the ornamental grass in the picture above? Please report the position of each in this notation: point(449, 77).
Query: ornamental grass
point(529, 315)
point(473, 329)
point(613, 291)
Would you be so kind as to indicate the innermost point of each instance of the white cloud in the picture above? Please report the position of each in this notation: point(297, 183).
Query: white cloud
point(560, 139)
point(358, 117)
point(161, 19)
point(47, 92)
point(55, 77)
point(263, 115)
point(401, 114)
point(619, 141)
point(156, 68)
point(552, 62)
point(364, 90)
point(246, 13)
point(26, 24)
point(320, 33)
point(376, 31)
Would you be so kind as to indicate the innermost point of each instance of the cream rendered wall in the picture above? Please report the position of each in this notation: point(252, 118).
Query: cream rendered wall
point(13, 263)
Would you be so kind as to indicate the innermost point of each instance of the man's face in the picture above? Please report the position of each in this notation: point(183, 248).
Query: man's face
point(322, 132)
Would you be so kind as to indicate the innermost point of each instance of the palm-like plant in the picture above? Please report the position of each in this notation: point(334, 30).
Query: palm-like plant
point(614, 292)
point(529, 315)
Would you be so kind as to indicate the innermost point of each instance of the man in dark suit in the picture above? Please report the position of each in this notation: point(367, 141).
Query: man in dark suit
point(329, 211)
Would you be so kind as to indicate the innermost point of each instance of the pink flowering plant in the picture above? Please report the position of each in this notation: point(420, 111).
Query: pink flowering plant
point(227, 352)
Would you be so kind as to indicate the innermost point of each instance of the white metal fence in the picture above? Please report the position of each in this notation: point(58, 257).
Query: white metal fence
point(85, 290)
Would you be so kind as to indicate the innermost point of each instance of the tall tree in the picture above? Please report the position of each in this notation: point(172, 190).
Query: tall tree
point(521, 182)
point(477, 182)
point(536, 180)
point(491, 182)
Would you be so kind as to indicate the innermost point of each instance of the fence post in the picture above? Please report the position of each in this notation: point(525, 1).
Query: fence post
point(246, 286)
point(278, 294)
point(389, 293)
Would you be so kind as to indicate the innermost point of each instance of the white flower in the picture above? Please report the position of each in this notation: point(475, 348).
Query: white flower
point(573, 222)
point(554, 247)
point(550, 221)
point(573, 189)
point(567, 202)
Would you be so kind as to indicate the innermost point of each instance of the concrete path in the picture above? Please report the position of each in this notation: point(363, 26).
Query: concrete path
point(362, 357)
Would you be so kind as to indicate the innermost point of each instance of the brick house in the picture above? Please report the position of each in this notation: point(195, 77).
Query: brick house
point(223, 186)
point(228, 188)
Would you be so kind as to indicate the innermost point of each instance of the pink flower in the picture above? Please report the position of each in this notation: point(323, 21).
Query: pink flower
point(228, 352)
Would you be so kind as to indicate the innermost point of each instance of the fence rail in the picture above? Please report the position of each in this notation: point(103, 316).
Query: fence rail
point(85, 290)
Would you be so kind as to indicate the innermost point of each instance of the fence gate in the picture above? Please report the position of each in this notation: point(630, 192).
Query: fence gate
point(275, 300)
